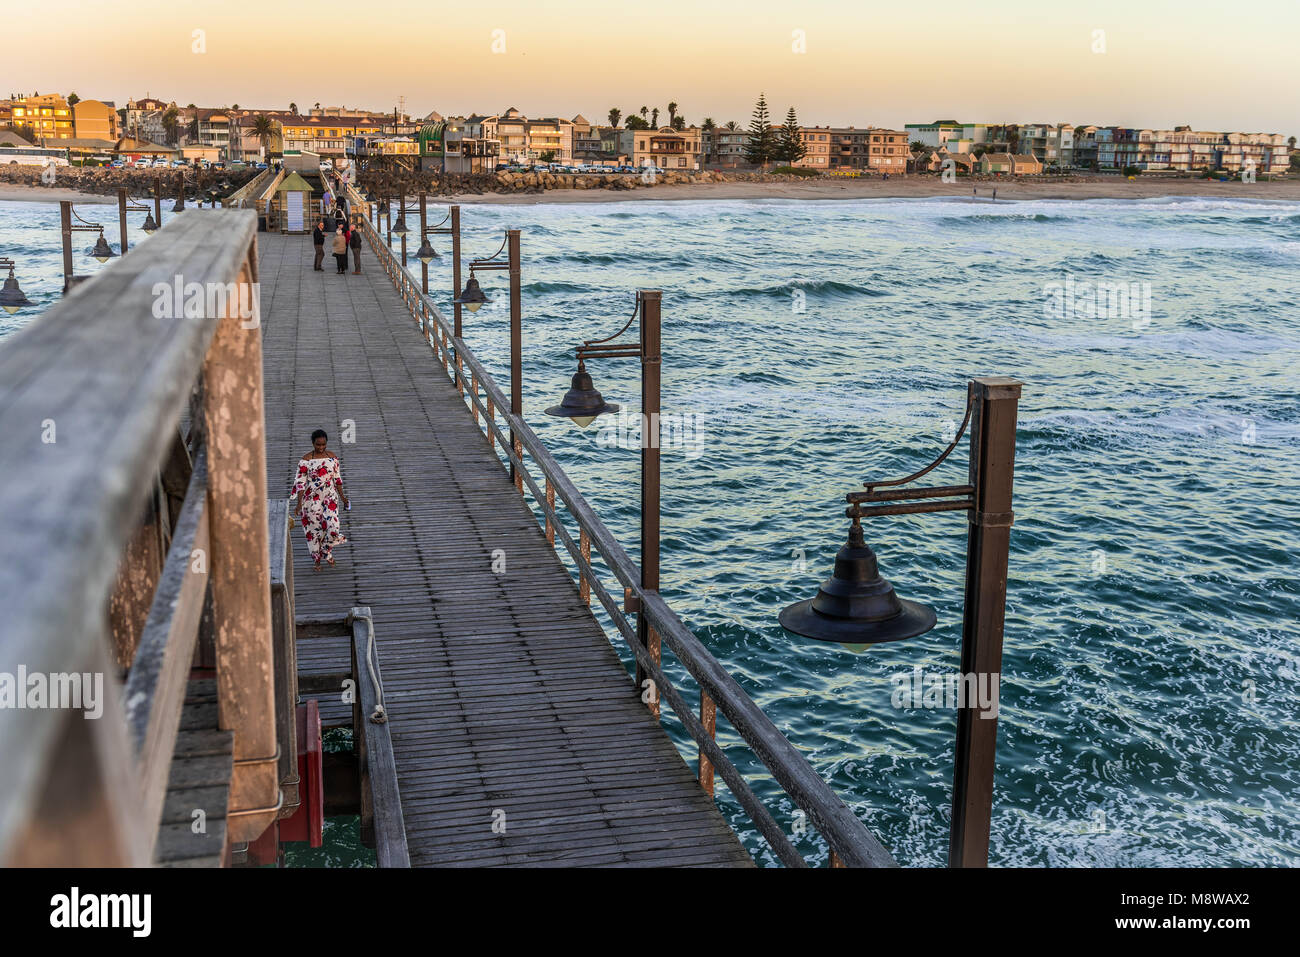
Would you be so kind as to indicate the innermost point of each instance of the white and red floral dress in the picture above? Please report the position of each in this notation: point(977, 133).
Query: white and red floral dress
point(319, 482)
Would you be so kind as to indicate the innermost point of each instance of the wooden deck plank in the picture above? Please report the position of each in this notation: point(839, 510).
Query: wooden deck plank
point(502, 690)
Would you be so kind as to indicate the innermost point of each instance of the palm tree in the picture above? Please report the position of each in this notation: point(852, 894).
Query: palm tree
point(264, 129)
point(732, 125)
point(293, 108)
point(1290, 142)
point(73, 99)
point(317, 106)
point(614, 115)
point(171, 124)
point(654, 118)
point(672, 112)
point(644, 111)
point(707, 128)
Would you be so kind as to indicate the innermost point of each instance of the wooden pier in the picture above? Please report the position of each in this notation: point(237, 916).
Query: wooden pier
point(517, 734)
point(493, 723)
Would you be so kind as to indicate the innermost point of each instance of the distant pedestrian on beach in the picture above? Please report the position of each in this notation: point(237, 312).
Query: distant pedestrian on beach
point(318, 488)
point(318, 240)
point(341, 248)
point(975, 190)
point(355, 243)
point(995, 194)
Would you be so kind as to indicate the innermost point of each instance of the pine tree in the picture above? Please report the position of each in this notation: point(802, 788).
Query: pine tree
point(762, 137)
point(791, 147)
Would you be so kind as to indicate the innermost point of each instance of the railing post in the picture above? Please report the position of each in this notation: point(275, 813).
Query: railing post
point(550, 501)
point(584, 589)
point(239, 563)
point(473, 405)
point(708, 718)
point(492, 421)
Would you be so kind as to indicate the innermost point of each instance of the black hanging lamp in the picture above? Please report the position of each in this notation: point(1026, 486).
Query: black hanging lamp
point(855, 606)
point(102, 251)
point(472, 296)
point(582, 403)
point(11, 296)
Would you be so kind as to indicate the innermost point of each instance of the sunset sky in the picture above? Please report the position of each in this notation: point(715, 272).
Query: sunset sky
point(1208, 64)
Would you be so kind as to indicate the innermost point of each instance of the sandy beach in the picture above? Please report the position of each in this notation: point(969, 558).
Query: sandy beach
point(914, 187)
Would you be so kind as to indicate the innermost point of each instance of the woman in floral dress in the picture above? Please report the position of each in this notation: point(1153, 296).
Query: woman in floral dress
point(318, 487)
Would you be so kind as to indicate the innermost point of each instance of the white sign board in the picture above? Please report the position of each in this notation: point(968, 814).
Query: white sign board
point(293, 212)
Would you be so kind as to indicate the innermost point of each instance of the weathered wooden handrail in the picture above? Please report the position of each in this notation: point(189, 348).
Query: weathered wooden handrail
point(849, 839)
point(91, 398)
point(248, 194)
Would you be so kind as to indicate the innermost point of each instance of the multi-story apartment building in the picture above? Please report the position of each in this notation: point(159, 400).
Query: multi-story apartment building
point(447, 146)
point(887, 151)
point(95, 119)
point(144, 118)
point(724, 147)
point(510, 129)
point(1185, 150)
point(1085, 146)
point(48, 115)
point(550, 138)
point(1050, 145)
point(667, 148)
point(955, 137)
point(841, 149)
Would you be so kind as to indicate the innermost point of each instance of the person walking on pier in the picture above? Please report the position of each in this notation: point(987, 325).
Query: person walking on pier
point(354, 242)
point(318, 487)
point(318, 240)
point(341, 249)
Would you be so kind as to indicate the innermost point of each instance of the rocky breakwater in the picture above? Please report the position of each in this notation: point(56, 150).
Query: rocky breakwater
point(106, 180)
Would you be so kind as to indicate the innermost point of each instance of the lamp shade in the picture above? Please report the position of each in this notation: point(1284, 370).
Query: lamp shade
point(426, 253)
point(400, 229)
point(149, 225)
point(582, 403)
point(11, 296)
point(472, 296)
point(102, 251)
point(855, 606)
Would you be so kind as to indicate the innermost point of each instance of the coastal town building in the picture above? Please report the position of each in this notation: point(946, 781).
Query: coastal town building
point(667, 148)
point(887, 151)
point(48, 116)
point(724, 147)
point(955, 137)
point(1183, 149)
point(1009, 164)
point(1050, 145)
point(94, 119)
point(447, 146)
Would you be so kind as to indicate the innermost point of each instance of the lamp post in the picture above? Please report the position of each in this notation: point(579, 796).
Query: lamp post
point(401, 229)
point(102, 251)
point(426, 253)
point(583, 404)
point(11, 296)
point(180, 193)
point(473, 296)
point(855, 606)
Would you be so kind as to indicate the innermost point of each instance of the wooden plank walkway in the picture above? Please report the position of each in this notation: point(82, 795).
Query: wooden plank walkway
point(503, 692)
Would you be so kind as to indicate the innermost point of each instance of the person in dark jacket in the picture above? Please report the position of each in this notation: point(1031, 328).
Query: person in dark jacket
point(354, 241)
point(318, 240)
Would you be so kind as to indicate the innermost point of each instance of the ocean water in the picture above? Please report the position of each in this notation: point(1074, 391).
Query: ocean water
point(1151, 673)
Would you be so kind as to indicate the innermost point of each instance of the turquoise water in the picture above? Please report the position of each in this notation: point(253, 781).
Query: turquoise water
point(1149, 696)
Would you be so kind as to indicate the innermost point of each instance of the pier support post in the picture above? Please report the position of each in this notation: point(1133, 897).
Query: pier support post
point(651, 301)
point(455, 267)
point(992, 468)
point(157, 200)
point(516, 353)
point(121, 216)
point(424, 266)
point(65, 223)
